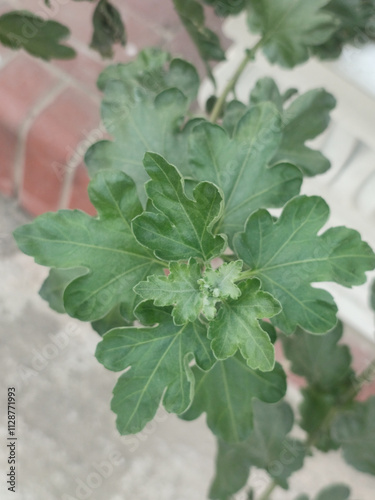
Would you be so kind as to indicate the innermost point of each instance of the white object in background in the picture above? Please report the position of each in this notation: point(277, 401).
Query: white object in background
point(349, 186)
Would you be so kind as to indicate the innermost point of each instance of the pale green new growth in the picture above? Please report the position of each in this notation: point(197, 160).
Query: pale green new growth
point(237, 327)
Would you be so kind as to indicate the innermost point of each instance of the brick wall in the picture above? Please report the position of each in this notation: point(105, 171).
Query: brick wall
point(49, 112)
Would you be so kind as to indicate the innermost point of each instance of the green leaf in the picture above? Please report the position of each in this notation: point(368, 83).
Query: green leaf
point(232, 470)
point(158, 358)
point(323, 362)
point(226, 394)
point(103, 245)
point(40, 38)
point(108, 28)
point(352, 17)
point(316, 409)
point(207, 42)
point(305, 118)
point(180, 289)
point(154, 71)
point(147, 124)
point(220, 283)
point(240, 166)
point(334, 492)
point(180, 227)
point(237, 327)
point(287, 256)
point(114, 319)
point(53, 288)
point(233, 112)
point(354, 430)
point(290, 27)
point(327, 368)
point(227, 7)
point(274, 451)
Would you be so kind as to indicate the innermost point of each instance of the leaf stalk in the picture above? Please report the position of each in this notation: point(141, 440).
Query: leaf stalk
point(233, 81)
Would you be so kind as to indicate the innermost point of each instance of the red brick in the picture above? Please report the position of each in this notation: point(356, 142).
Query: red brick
point(8, 144)
point(140, 35)
point(79, 197)
point(52, 142)
point(82, 69)
point(23, 81)
point(160, 13)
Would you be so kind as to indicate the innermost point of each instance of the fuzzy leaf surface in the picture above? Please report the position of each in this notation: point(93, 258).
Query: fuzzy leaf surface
point(220, 283)
point(158, 358)
point(226, 394)
point(237, 327)
point(354, 430)
point(105, 246)
point(287, 256)
point(46, 38)
point(180, 289)
point(240, 165)
point(290, 27)
point(180, 227)
point(304, 119)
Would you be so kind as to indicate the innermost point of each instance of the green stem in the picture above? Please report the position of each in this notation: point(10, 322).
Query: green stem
point(267, 493)
point(232, 82)
point(246, 274)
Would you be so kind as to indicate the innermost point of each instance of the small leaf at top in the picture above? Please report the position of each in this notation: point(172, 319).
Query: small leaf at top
point(226, 392)
point(287, 256)
point(237, 327)
point(290, 27)
point(240, 165)
point(220, 283)
point(158, 358)
point(180, 227)
point(40, 38)
point(354, 430)
point(105, 246)
point(108, 28)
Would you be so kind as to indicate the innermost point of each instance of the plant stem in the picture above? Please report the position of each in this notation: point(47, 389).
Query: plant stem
point(232, 82)
point(266, 494)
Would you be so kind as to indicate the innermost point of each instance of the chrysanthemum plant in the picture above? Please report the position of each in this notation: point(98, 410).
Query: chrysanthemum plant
point(185, 273)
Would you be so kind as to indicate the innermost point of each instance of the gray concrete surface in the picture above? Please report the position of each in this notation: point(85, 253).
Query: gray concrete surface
point(68, 447)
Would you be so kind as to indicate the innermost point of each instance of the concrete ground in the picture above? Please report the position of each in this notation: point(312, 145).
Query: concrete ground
point(68, 447)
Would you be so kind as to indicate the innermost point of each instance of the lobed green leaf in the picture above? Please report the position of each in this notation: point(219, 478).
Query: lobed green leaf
point(287, 256)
